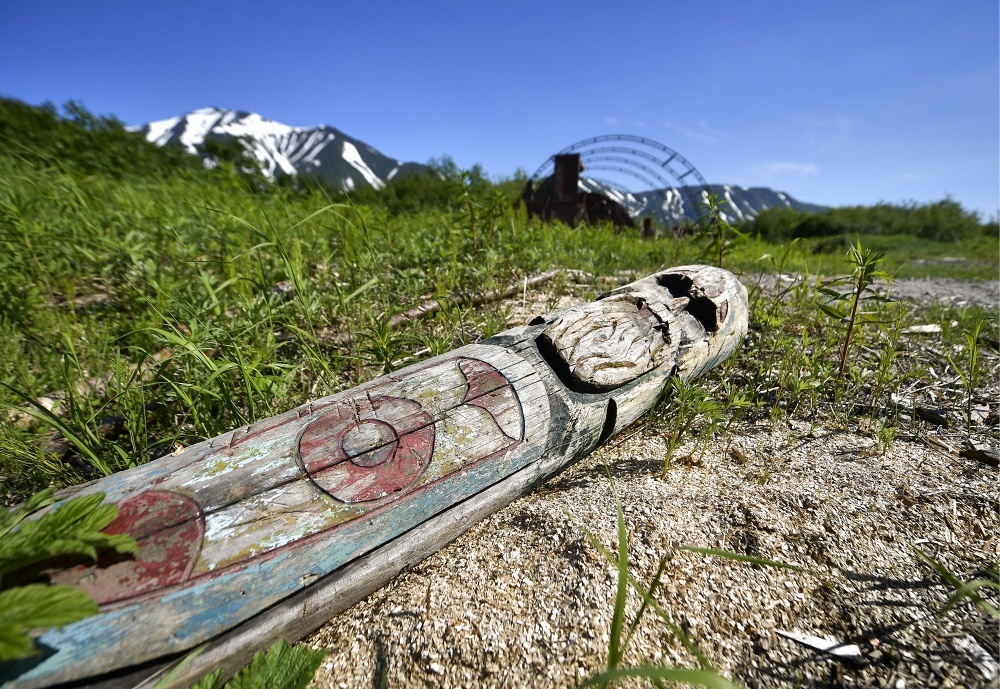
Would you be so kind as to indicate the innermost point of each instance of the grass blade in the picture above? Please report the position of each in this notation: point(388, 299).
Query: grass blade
point(39, 412)
point(615, 648)
point(763, 562)
point(963, 589)
point(698, 678)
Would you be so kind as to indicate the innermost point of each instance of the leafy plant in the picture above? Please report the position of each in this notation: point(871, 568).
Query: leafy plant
point(718, 228)
point(864, 272)
point(895, 314)
point(885, 435)
point(282, 666)
point(686, 404)
point(73, 528)
point(736, 401)
point(34, 606)
point(381, 345)
point(971, 376)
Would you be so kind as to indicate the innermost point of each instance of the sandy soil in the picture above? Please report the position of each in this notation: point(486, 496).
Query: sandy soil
point(523, 599)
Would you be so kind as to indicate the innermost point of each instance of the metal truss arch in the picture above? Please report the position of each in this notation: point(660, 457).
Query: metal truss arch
point(634, 159)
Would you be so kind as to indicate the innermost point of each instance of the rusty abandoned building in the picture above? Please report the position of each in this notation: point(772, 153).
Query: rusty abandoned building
point(618, 178)
point(559, 197)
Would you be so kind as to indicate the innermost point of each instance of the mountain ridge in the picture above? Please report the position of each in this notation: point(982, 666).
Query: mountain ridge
point(327, 153)
point(322, 151)
point(673, 206)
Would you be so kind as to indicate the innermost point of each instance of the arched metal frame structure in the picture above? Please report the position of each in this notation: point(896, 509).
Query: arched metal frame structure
point(610, 153)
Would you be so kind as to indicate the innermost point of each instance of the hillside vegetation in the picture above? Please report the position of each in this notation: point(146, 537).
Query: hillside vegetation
point(153, 302)
point(943, 221)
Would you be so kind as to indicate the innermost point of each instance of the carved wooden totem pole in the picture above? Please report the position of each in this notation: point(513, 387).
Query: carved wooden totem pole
point(267, 531)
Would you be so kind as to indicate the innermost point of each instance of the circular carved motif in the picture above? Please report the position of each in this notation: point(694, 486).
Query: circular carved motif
point(369, 443)
point(368, 450)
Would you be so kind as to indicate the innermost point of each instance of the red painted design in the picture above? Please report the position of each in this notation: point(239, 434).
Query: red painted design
point(505, 410)
point(168, 528)
point(368, 450)
point(489, 390)
point(482, 378)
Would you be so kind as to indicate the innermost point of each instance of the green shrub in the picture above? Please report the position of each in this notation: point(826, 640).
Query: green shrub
point(83, 142)
point(942, 221)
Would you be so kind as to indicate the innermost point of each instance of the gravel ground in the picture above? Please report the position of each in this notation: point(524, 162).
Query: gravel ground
point(955, 292)
point(523, 599)
point(919, 290)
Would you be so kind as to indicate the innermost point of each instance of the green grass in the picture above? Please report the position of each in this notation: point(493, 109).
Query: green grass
point(972, 258)
point(173, 308)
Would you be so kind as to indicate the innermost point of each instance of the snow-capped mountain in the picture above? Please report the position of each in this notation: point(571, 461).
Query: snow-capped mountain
point(323, 151)
point(673, 206)
point(329, 154)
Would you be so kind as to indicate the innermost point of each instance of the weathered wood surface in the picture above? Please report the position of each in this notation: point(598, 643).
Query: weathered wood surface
point(266, 531)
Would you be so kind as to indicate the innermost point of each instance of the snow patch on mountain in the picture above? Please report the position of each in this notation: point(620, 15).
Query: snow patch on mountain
point(281, 149)
point(159, 132)
point(673, 206)
point(352, 156)
point(197, 125)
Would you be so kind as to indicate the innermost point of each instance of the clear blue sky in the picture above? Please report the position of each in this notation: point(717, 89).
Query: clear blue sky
point(833, 102)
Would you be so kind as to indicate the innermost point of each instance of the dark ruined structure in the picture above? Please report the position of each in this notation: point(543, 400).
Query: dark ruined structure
point(559, 198)
point(628, 180)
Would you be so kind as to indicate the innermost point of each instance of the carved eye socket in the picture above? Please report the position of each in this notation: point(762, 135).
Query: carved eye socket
point(701, 306)
point(369, 449)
